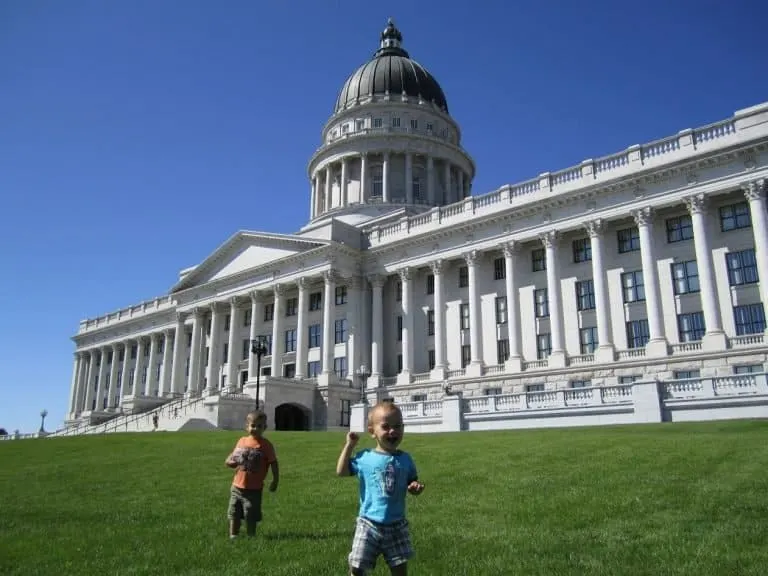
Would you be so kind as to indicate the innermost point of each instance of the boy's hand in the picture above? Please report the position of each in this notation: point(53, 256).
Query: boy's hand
point(415, 488)
point(273, 486)
point(352, 438)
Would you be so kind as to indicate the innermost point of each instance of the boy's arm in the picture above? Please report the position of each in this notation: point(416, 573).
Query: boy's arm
point(275, 469)
point(342, 464)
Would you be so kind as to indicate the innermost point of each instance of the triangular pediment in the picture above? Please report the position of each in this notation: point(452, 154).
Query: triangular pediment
point(246, 251)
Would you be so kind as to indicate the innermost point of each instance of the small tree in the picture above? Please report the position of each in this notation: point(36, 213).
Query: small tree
point(3, 432)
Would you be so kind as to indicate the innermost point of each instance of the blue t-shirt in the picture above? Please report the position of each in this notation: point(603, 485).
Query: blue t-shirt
point(384, 480)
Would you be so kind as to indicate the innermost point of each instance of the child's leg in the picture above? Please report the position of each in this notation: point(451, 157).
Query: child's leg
point(235, 512)
point(234, 527)
point(365, 548)
point(400, 570)
point(250, 528)
point(252, 506)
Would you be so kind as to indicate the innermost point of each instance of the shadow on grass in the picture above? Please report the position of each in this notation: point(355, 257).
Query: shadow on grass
point(289, 535)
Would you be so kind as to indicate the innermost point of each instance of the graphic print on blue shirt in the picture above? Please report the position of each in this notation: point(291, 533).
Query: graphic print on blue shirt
point(384, 480)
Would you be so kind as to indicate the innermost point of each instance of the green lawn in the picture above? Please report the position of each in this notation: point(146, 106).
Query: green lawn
point(656, 499)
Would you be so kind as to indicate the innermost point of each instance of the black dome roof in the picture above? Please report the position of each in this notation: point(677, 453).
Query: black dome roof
point(391, 70)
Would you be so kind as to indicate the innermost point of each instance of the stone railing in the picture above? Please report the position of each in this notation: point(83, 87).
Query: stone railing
point(141, 309)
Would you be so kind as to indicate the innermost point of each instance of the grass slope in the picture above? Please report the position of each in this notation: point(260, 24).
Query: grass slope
point(656, 499)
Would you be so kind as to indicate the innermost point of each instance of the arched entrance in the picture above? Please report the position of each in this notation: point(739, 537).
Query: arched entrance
point(291, 417)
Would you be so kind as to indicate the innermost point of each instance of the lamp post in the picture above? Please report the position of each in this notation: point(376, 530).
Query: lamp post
point(258, 348)
point(364, 374)
point(43, 414)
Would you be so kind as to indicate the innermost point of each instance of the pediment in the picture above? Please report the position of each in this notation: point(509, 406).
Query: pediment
point(245, 251)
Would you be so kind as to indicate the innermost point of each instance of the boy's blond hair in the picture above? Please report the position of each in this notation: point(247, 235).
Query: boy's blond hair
point(382, 407)
point(255, 416)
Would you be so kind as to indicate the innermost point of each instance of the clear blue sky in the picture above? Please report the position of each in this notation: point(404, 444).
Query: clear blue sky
point(135, 137)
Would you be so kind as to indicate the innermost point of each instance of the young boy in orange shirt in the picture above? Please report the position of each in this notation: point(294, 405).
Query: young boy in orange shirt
point(251, 457)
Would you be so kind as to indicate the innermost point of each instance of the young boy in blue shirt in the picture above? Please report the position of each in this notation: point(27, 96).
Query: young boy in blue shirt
point(385, 475)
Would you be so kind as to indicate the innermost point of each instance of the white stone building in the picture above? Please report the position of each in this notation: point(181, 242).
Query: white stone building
point(561, 292)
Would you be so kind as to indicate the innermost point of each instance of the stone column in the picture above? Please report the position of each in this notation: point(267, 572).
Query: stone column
point(377, 327)
point(557, 356)
point(149, 384)
point(193, 380)
point(301, 330)
point(448, 193)
point(102, 379)
point(278, 337)
point(460, 183)
point(409, 178)
point(344, 196)
point(657, 345)
point(164, 386)
point(112, 392)
point(430, 181)
point(605, 349)
point(755, 193)
point(515, 362)
point(213, 370)
point(439, 372)
point(91, 383)
point(407, 336)
point(329, 316)
point(354, 338)
point(82, 382)
point(73, 387)
point(257, 314)
point(385, 197)
point(138, 382)
point(475, 317)
point(177, 368)
point(364, 177)
point(125, 380)
point(328, 181)
point(714, 337)
point(234, 350)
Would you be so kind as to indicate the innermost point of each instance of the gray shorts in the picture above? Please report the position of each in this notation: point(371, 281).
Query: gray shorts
point(245, 504)
point(393, 541)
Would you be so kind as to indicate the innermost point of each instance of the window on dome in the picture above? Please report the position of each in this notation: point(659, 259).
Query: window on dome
point(417, 189)
point(414, 124)
point(395, 122)
point(430, 127)
point(377, 122)
point(345, 129)
point(360, 125)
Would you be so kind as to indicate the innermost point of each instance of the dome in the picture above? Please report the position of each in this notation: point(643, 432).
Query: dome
point(391, 71)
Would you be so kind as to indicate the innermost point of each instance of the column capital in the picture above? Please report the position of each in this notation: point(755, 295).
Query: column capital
point(198, 313)
point(278, 290)
point(471, 257)
point(168, 333)
point(510, 248)
point(181, 316)
point(214, 307)
point(302, 283)
point(154, 336)
point(643, 216)
point(595, 227)
point(330, 276)
point(437, 266)
point(696, 204)
point(405, 274)
point(235, 301)
point(377, 280)
point(755, 189)
point(256, 295)
point(549, 239)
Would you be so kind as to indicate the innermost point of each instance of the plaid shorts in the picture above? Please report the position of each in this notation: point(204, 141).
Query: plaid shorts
point(245, 504)
point(393, 541)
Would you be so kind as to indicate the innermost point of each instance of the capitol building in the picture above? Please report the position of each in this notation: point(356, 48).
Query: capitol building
point(628, 288)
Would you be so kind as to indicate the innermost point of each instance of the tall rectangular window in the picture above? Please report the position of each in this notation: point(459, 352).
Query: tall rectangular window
point(628, 239)
point(638, 333)
point(501, 310)
point(541, 303)
point(588, 340)
point(685, 277)
point(464, 316)
point(582, 250)
point(632, 286)
point(749, 318)
point(735, 216)
point(543, 346)
point(340, 331)
point(585, 295)
point(499, 269)
point(742, 267)
point(679, 228)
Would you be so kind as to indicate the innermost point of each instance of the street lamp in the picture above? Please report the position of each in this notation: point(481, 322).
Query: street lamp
point(364, 374)
point(43, 414)
point(258, 348)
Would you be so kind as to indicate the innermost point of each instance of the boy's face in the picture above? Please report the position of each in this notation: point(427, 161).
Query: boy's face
point(256, 426)
point(387, 428)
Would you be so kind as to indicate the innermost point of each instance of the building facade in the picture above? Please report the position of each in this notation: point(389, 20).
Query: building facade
point(648, 264)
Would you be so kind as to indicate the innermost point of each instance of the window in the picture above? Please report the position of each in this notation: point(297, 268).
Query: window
point(345, 128)
point(227, 320)
point(686, 374)
point(395, 122)
point(341, 295)
point(539, 259)
point(377, 123)
point(495, 391)
point(291, 306)
point(416, 184)
point(629, 379)
point(247, 318)
point(632, 286)
point(543, 346)
point(742, 267)
point(585, 295)
point(581, 383)
point(414, 124)
point(501, 310)
point(534, 388)
point(431, 359)
point(463, 277)
point(269, 312)
point(430, 127)
point(588, 340)
point(313, 369)
point(315, 300)
point(340, 367)
point(690, 327)
point(346, 411)
point(134, 347)
point(208, 324)
point(750, 319)
point(289, 370)
point(582, 250)
point(399, 291)
point(685, 277)
point(315, 336)
point(377, 181)
point(748, 369)
point(735, 216)
point(502, 351)
point(541, 303)
point(464, 316)
point(225, 355)
point(499, 271)
point(359, 125)
point(637, 333)
point(207, 355)
point(466, 355)
point(430, 322)
point(679, 229)
point(341, 331)
point(399, 363)
point(399, 328)
point(266, 341)
point(122, 354)
point(629, 240)
point(290, 340)
point(419, 398)
point(246, 348)
point(430, 283)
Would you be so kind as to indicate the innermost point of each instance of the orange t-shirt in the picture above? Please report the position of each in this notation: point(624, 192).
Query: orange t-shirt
point(257, 455)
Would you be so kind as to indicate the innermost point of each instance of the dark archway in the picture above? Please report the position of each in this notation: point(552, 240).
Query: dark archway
point(291, 417)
